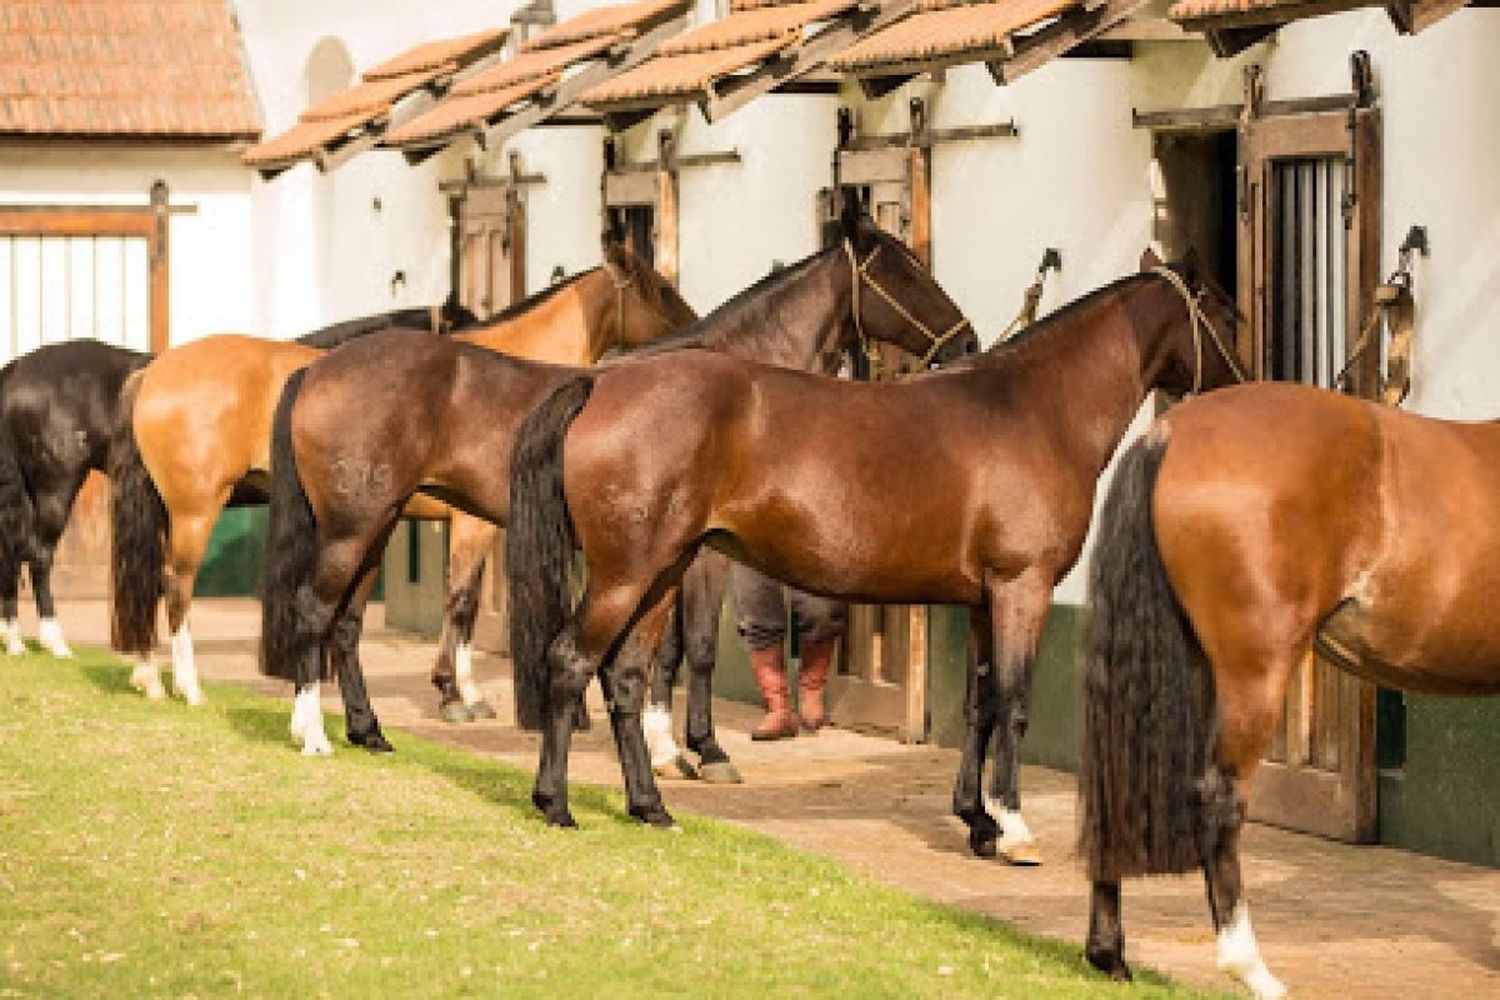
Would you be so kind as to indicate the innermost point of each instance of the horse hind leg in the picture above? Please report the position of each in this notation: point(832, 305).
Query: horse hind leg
point(701, 605)
point(361, 726)
point(1018, 609)
point(979, 729)
point(52, 509)
point(188, 543)
point(459, 697)
point(624, 682)
point(10, 612)
point(667, 758)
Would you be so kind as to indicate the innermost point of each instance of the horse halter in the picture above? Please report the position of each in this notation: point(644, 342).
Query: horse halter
point(860, 275)
point(1200, 322)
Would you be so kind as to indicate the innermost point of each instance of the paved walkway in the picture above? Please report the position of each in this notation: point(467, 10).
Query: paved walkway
point(1333, 920)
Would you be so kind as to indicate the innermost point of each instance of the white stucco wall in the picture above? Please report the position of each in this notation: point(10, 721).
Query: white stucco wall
point(211, 250)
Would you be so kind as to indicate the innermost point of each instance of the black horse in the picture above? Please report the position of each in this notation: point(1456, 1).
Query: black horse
point(57, 418)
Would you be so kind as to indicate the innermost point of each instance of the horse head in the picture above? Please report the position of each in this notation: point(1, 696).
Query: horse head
point(895, 299)
point(1204, 321)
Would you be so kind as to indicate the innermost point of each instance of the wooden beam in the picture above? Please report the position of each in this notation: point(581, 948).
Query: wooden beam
point(1276, 14)
point(735, 93)
point(571, 89)
point(1227, 42)
point(876, 87)
point(930, 137)
point(681, 162)
point(1042, 46)
point(1227, 116)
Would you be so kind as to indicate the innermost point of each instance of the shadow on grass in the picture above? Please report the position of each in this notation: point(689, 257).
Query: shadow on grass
point(108, 677)
point(493, 782)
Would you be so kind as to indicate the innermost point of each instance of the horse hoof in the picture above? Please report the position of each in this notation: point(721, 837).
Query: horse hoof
point(315, 744)
point(720, 773)
point(1111, 964)
point(982, 843)
point(15, 647)
point(482, 709)
point(193, 697)
point(375, 742)
point(151, 687)
point(656, 816)
point(61, 651)
point(455, 712)
point(1023, 854)
point(678, 767)
point(561, 818)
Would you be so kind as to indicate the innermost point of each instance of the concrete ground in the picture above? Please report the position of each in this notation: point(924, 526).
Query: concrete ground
point(1333, 920)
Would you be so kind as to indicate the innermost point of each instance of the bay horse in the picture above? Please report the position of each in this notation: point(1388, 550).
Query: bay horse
point(57, 414)
point(969, 485)
point(346, 456)
point(1245, 530)
point(196, 431)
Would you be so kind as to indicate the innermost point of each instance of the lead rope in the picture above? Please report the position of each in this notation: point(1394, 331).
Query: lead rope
point(861, 275)
point(1200, 323)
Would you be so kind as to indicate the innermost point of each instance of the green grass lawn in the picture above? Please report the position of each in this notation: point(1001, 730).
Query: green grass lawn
point(154, 849)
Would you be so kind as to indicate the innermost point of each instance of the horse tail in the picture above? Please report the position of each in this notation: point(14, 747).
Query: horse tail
point(17, 516)
point(1149, 799)
point(138, 533)
point(291, 550)
point(539, 545)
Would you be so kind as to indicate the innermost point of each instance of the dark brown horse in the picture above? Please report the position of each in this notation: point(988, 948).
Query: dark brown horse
point(970, 485)
point(347, 455)
point(1244, 530)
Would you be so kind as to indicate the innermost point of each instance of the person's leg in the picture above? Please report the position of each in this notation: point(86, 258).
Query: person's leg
point(760, 616)
point(822, 624)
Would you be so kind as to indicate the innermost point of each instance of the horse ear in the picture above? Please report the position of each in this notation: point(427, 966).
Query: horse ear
point(849, 216)
point(1190, 265)
point(1149, 260)
point(613, 236)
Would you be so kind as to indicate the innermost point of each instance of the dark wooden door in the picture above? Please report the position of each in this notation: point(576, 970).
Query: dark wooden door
point(1309, 245)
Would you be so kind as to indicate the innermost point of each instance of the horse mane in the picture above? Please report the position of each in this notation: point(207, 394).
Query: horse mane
point(334, 334)
point(517, 308)
point(728, 313)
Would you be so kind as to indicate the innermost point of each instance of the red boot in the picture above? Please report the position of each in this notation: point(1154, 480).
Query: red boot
point(812, 678)
point(770, 676)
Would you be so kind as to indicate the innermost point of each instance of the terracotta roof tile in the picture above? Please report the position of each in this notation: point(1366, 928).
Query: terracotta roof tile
point(948, 31)
point(372, 96)
point(535, 63)
point(1261, 11)
point(758, 25)
point(168, 68)
point(608, 20)
point(466, 111)
point(432, 55)
point(305, 138)
point(686, 74)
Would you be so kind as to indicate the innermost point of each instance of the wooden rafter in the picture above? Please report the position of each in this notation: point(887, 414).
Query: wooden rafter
point(1067, 32)
point(735, 92)
point(560, 98)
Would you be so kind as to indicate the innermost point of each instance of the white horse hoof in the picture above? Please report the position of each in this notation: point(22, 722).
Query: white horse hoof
point(15, 647)
point(1022, 854)
point(193, 697)
point(145, 680)
point(51, 639)
point(315, 744)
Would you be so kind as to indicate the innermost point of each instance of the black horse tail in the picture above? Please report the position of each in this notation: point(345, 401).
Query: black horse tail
point(1151, 800)
point(138, 533)
point(291, 551)
point(539, 545)
point(17, 516)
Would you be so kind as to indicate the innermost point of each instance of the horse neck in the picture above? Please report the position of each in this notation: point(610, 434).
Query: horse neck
point(1093, 369)
point(800, 323)
point(565, 328)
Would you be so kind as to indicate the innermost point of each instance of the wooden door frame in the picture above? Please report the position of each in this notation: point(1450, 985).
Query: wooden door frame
point(1343, 803)
point(882, 163)
point(149, 222)
point(511, 187)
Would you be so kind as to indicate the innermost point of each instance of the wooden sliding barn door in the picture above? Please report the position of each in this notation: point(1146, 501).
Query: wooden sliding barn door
point(1309, 244)
point(881, 677)
point(69, 272)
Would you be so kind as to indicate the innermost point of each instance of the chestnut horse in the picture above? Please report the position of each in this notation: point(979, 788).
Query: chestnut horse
point(346, 456)
point(196, 430)
point(1246, 529)
point(969, 485)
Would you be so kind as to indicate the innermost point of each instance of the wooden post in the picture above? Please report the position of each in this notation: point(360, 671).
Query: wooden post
point(158, 255)
point(666, 206)
point(919, 178)
point(515, 229)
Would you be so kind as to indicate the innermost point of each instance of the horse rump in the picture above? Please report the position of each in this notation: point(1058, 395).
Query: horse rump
point(539, 545)
point(138, 534)
point(1151, 798)
point(291, 552)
